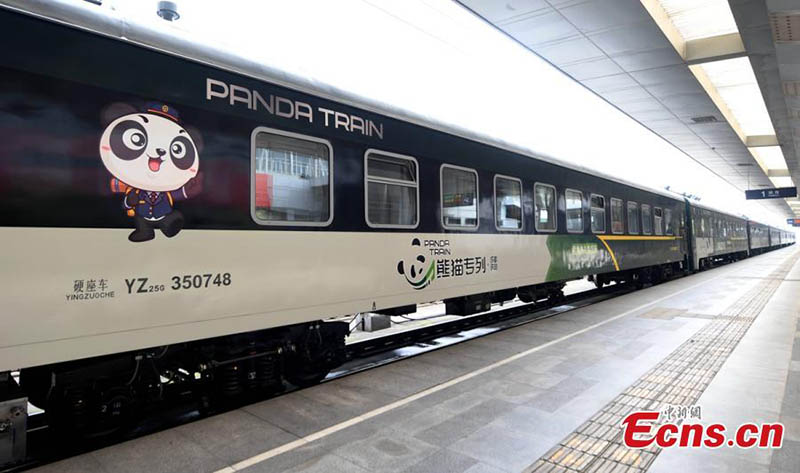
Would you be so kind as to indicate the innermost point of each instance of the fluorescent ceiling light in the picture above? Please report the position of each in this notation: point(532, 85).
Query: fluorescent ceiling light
point(782, 181)
point(736, 84)
point(770, 156)
point(697, 19)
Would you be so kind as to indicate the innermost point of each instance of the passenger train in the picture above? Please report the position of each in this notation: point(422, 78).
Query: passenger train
point(182, 221)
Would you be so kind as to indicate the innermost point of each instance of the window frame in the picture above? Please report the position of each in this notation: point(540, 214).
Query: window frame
point(638, 217)
point(660, 230)
point(566, 210)
point(592, 194)
point(624, 215)
point(298, 136)
point(555, 208)
point(477, 198)
point(668, 224)
point(494, 203)
point(390, 181)
point(641, 214)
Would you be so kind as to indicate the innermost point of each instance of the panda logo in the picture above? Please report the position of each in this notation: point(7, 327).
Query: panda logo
point(154, 161)
point(417, 273)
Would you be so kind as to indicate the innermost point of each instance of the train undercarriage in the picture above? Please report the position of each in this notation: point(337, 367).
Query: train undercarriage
point(640, 276)
point(716, 260)
point(102, 395)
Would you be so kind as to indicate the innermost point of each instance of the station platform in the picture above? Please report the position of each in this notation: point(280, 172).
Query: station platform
point(545, 396)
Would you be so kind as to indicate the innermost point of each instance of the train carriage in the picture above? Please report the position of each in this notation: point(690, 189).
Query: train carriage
point(787, 238)
point(716, 236)
point(297, 206)
point(758, 235)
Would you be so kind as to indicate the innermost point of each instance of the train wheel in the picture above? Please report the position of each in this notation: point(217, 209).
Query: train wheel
point(114, 411)
point(303, 378)
point(636, 278)
point(598, 282)
point(87, 411)
point(657, 275)
point(319, 348)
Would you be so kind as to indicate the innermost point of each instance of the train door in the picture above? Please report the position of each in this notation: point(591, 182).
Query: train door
point(684, 235)
point(687, 234)
point(749, 238)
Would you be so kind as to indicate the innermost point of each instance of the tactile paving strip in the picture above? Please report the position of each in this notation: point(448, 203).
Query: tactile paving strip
point(679, 379)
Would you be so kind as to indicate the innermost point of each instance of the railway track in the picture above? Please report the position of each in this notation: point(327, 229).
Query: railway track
point(45, 447)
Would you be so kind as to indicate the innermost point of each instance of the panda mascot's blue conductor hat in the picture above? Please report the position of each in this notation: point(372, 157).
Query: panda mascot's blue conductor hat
point(163, 110)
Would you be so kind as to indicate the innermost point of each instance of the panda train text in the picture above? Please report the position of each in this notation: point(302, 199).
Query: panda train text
point(276, 105)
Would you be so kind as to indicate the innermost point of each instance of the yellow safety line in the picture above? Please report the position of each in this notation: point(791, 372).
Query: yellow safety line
point(635, 237)
point(613, 258)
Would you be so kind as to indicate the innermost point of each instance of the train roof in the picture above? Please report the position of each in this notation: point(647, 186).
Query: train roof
point(694, 203)
point(743, 217)
point(105, 21)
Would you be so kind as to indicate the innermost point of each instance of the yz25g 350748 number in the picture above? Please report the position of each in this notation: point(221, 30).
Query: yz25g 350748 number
point(198, 281)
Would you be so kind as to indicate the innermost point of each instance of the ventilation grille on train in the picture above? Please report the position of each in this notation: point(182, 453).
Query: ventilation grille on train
point(706, 119)
point(785, 26)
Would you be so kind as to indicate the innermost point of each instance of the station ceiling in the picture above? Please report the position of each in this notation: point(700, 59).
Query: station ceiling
point(718, 79)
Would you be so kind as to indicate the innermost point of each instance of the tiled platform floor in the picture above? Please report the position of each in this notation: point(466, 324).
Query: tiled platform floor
point(507, 417)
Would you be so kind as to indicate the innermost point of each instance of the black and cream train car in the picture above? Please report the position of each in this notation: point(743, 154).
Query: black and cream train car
point(176, 219)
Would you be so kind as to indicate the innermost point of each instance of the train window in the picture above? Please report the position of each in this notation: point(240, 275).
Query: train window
point(657, 217)
point(391, 190)
point(647, 220)
point(617, 216)
point(598, 213)
point(291, 179)
point(459, 187)
point(545, 207)
point(507, 203)
point(633, 218)
point(668, 230)
point(574, 211)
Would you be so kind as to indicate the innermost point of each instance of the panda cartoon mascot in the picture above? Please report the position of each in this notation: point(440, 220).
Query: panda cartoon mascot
point(154, 162)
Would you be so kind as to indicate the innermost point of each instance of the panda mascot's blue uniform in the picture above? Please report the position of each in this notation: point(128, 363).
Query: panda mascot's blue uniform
point(155, 163)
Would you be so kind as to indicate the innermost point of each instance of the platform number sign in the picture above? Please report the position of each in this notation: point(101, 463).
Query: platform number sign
point(777, 193)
